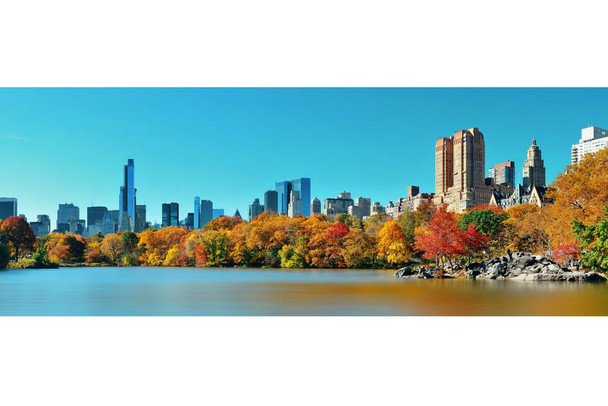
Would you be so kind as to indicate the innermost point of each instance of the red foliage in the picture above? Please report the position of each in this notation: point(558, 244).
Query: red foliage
point(473, 241)
point(183, 260)
point(442, 237)
point(200, 255)
point(19, 235)
point(336, 232)
point(565, 252)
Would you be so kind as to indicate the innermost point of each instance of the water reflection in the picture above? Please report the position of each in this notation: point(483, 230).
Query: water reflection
point(179, 291)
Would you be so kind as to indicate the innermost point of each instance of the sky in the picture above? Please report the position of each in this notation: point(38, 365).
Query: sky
point(230, 145)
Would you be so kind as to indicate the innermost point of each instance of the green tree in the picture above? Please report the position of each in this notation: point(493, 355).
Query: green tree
point(594, 242)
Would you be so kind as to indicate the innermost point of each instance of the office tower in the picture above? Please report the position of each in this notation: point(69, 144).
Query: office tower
point(295, 204)
point(95, 215)
point(42, 226)
point(8, 207)
point(217, 213)
point(237, 213)
point(65, 213)
point(206, 214)
point(140, 218)
point(377, 208)
point(592, 140)
point(109, 223)
point(503, 174)
point(189, 221)
point(197, 213)
point(302, 185)
point(283, 190)
point(170, 213)
point(255, 209)
point(361, 208)
point(271, 201)
point(338, 205)
point(534, 169)
point(127, 201)
point(315, 206)
point(460, 169)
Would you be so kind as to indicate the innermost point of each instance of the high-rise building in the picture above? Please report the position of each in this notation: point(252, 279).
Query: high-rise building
point(271, 201)
point(503, 174)
point(534, 169)
point(592, 140)
point(109, 223)
point(95, 216)
point(65, 213)
point(361, 208)
point(295, 204)
point(284, 188)
point(8, 207)
point(302, 186)
point(377, 208)
point(255, 209)
point(140, 218)
point(217, 213)
point(338, 205)
point(127, 200)
point(460, 169)
point(42, 226)
point(315, 206)
point(237, 214)
point(206, 214)
point(197, 213)
point(189, 221)
point(170, 213)
point(413, 200)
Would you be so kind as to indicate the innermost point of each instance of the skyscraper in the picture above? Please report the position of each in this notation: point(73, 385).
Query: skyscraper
point(140, 218)
point(338, 205)
point(460, 169)
point(170, 214)
point(217, 213)
point(503, 174)
point(206, 212)
point(8, 207)
point(255, 209)
point(197, 213)
point(127, 201)
point(302, 185)
point(65, 213)
point(283, 190)
point(95, 215)
point(41, 227)
point(315, 206)
point(271, 201)
point(534, 168)
point(295, 204)
point(592, 140)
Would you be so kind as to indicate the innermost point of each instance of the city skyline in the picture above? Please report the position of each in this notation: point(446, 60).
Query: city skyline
point(362, 140)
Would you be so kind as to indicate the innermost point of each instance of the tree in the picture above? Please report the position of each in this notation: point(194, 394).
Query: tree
point(473, 242)
point(566, 252)
point(392, 245)
point(487, 221)
point(19, 235)
point(580, 193)
point(113, 247)
point(5, 255)
point(526, 228)
point(594, 242)
point(440, 238)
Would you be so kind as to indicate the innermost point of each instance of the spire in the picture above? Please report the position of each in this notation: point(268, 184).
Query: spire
point(533, 141)
point(237, 214)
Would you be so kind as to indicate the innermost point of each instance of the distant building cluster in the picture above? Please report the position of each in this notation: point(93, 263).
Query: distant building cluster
point(459, 183)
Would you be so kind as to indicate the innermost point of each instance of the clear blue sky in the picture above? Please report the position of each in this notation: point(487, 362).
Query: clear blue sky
point(231, 145)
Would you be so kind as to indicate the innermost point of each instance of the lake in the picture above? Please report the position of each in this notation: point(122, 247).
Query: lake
point(142, 291)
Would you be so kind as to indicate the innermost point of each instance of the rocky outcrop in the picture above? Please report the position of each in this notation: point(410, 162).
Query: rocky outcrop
point(527, 267)
point(418, 273)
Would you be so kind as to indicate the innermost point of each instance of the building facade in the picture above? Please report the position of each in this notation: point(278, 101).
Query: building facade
point(197, 213)
point(361, 208)
point(255, 209)
point(503, 174)
point(284, 188)
point(95, 216)
point(592, 140)
point(140, 218)
point(315, 206)
point(170, 214)
point(338, 205)
point(459, 171)
point(217, 213)
point(127, 200)
point(271, 201)
point(8, 207)
point(295, 204)
point(206, 214)
point(65, 213)
point(533, 172)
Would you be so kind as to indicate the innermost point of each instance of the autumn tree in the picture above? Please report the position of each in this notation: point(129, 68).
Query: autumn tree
point(358, 249)
point(440, 238)
point(473, 242)
point(392, 244)
point(19, 235)
point(580, 192)
point(527, 228)
point(112, 247)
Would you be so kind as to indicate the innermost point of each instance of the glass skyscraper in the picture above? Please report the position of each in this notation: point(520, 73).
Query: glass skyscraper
point(127, 202)
point(301, 185)
point(196, 223)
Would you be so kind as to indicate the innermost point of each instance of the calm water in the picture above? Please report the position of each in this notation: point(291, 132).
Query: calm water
point(248, 292)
